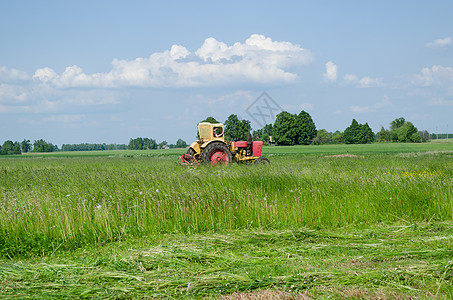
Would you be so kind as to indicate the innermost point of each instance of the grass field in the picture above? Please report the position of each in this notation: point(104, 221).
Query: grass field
point(357, 221)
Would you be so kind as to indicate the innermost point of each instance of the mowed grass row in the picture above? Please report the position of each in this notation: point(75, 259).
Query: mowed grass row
point(50, 204)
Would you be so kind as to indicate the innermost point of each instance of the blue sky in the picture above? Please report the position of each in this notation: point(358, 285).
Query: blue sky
point(108, 71)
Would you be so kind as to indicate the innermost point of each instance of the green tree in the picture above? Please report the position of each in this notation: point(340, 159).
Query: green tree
point(43, 146)
point(25, 146)
point(162, 144)
point(285, 131)
point(416, 138)
point(351, 133)
point(9, 148)
point(358, 133)
point(337, 137)
point(235, 129)
point(424, 135)
point(306, 129)
point(136, 144)
point(397, 123)
point(405, 133)
point(384, 135)
point(180, 144)
point(322, 137)
point(263, 134)
point(211, 120)
point(151, 144)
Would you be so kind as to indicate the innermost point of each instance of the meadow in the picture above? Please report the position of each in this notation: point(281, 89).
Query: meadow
point(357, 221)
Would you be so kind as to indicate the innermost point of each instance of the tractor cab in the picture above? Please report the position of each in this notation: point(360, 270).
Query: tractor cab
point(209, 132)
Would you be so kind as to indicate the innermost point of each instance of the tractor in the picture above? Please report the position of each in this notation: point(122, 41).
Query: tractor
point(213, 149)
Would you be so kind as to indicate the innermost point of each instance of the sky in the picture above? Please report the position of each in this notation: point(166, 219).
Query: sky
point(108, 71)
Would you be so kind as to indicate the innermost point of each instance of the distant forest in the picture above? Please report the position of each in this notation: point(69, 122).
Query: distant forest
point(92, 147)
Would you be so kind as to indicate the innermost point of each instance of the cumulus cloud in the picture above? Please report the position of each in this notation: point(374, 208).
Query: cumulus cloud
point(257, 60)
point(434, 76)
point(364, 82)
point(12, 74)
point(331, 72)
point(440, 43)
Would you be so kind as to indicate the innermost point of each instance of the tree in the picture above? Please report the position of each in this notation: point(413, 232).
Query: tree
point(352, 132)
point(337, 137)
point(358, 133)
point(294, 129)
point(263, 134)
point(180, 144)
point(149, 144)
point(306, 128)
point(136, 144)
point(142, 144)
point(25, 146)
point(43, 146)
point(211, 120)
point(322, 137)
point(366, 134)
point(405, 133)
point(10, 148)
point(162, 144)
point(424, 135)
point(384, 135)
point(236, 129)
point(397, 123)
point(285, 131)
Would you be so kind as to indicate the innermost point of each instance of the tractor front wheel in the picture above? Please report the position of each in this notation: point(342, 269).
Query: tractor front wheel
point(262, 161)
point(216, 153)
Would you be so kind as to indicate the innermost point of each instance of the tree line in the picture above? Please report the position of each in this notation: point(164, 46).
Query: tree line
point(11, 148)
point(92, 147)
point(148, 144)
point(299, 129)
point(16, 148)
point(287, 129)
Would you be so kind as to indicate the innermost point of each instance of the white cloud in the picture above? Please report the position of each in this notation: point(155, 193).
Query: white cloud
point(331, 72)
point(12, 93)
point(436, 75)
point(12, 74)
point(384, 103)
point(359, 109)
point(65, 118)
point(307, 106)
point(440, 43)
point(380, 105)
point(258, 60)
point(364, 82)
point(440, 102)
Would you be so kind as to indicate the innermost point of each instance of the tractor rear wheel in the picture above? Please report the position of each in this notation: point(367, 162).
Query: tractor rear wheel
point(216, 153)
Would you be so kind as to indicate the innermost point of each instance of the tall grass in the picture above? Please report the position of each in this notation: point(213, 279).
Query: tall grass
point(62, 203)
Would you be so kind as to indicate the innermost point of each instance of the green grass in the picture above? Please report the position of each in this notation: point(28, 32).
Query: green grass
point(72, 217)
point(380, 262)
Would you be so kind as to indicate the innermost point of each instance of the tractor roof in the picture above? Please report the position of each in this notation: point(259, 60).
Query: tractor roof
point(210, 124)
